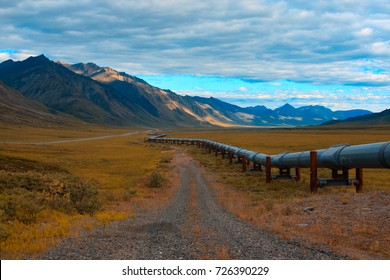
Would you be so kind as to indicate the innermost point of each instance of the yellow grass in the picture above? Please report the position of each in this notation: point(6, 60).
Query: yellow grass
point(26, 240)
point(115, 165)
point(120, 167)
point(278, 206)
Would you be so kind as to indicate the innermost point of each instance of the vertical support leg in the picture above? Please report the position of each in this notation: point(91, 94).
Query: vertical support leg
point(209, 147)
point(313, 172)
point(335, 173)
point(359, 180)
point(223, 153)
point(244, 163)
point(216, 151)
point(230, 157)
point(268, 177)
point(297, 174)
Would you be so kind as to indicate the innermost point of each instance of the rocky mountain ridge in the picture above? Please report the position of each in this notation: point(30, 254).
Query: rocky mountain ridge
point(102, 95)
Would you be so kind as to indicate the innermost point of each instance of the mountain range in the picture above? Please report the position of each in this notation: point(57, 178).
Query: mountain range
point(102, 95)
point(375, 119)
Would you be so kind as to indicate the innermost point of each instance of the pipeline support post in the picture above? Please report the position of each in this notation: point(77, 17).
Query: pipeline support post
point(313, 172)
point(359, 180)
point(216, 151)
point(297, 174)
point(230, 157)
point(244, 163)
point(223, 152)
point(268, 175)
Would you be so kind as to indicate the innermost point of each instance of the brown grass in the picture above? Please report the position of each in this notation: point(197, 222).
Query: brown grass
point(355, 225)
point(118, 167)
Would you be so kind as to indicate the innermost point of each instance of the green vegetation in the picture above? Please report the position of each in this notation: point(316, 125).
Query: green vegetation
point(156, 180)
point(28, 187)
point(52, 191)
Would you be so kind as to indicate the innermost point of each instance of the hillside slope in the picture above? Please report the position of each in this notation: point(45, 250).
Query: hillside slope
point(17, 109)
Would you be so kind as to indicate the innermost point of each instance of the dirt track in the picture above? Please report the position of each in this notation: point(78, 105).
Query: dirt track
point(71, 140)
point(191, 226)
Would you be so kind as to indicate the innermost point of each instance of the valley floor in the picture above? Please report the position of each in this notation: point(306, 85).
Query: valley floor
point(207, 209)
point(193, 225)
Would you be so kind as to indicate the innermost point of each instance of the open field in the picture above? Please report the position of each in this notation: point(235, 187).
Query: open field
point(117, 169)
point(339, 212)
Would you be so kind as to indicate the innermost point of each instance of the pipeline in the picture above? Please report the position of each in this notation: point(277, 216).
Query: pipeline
point(338, 157)
point(374, 155)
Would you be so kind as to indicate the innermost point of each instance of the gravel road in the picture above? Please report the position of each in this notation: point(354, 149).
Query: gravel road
point(71, 140)
point(192, 226)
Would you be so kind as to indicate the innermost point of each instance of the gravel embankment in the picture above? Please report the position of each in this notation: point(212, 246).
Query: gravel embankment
point(192, 226)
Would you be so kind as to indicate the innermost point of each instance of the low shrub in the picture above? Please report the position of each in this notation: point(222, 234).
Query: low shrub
point(166, 159)
point(129, 193)
point(19, 204)
point(83, 196)
point(156, 180)
point(27, 189)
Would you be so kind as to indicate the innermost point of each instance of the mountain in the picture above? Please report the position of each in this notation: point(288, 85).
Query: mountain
point(57, 87)
point(164, 106)
point(341, 115)
point(375, 119)
point(211, 110)
point(313, 114)
point(17, 109)
point(103, 95)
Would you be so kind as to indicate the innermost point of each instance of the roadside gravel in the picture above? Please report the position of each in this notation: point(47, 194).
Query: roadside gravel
point(192, 226)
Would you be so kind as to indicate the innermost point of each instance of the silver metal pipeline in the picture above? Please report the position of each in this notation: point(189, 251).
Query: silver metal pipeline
point(344, 156)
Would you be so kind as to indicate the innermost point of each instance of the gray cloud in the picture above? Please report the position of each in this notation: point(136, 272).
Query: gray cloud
point(311, 41)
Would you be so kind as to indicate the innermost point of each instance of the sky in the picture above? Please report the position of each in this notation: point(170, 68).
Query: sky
point(247, 52)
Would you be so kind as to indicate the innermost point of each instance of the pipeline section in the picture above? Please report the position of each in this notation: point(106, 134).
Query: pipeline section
point(344, 156)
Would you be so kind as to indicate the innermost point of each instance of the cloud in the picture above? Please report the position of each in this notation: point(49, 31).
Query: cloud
point(315, 42)
point(364, 32)
point(15, 55)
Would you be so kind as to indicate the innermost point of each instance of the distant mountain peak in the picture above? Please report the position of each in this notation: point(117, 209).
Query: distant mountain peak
point(101, 74)
point(8, 61)
point(41, 57)
point(286, 106)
